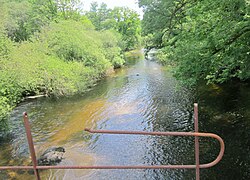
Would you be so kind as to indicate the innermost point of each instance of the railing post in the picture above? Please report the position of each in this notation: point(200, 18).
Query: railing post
point(197, 151)
point(31, 144)
point(197, 166)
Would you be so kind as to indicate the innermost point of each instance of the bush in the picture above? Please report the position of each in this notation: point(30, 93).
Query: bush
point(72, 41)
point(112, 41)
point(63, 59)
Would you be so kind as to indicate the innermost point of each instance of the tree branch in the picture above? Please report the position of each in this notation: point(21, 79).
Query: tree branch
point(233, 39)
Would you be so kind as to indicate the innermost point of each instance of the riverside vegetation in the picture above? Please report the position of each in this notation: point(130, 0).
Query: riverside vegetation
point(205, 40)
point(54, 48)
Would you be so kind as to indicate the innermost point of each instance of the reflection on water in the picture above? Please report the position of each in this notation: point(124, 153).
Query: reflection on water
point(143, 97)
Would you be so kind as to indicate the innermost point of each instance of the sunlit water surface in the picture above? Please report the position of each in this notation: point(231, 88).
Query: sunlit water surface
point(144, 96)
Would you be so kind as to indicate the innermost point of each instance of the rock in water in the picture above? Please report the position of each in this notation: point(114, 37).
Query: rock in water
point(51, 156)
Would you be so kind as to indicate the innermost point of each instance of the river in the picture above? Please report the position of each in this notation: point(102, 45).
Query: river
point(143, 96)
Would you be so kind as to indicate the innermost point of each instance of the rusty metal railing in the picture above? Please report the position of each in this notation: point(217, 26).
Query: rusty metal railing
point(196, 134)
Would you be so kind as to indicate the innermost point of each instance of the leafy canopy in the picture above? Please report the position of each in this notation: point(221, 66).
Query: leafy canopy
point(205, 40)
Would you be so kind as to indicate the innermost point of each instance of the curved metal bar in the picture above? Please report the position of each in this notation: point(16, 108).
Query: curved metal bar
point(196, 134)
point(219, 157)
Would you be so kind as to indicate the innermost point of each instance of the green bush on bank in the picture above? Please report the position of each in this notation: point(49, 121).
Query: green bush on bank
point(8, 89)
point(71, 41)
point(62, 59)
point(112, 43)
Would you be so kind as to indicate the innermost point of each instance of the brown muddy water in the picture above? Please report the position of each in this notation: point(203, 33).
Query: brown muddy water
point(143, 96)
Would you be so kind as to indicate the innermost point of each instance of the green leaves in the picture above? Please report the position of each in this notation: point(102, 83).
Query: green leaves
point(123, 20)
point(51, 55)
point(205, 40)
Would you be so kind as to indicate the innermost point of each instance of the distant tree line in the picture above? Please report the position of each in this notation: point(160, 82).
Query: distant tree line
point(121, 19)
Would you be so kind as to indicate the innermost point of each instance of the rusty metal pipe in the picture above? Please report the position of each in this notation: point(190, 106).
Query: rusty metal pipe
point(196, 141)
point(31, 144)
point(15, 167)
point(219, 157)
point(196, 134)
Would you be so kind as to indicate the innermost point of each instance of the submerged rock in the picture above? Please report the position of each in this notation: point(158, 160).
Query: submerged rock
point(51, 156)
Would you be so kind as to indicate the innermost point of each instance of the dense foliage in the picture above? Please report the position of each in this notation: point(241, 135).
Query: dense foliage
point(205, 40)
point(121, 19)
point(49, 47)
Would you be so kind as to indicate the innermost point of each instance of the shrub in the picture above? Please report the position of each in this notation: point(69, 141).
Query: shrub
point(63, 59)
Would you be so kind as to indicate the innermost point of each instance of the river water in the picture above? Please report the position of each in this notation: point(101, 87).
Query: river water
point(143, 96)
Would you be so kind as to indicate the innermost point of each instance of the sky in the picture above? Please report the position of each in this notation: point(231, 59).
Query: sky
point(113, 3)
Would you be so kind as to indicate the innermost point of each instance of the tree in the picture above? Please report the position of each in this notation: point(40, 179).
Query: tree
point(22, 18)
point(123, 20)
point(129, 25)
point(16, 17)
point(48, 47)
point(206, 40)
point(98, 15)
point(163, 19)
point(68, 9)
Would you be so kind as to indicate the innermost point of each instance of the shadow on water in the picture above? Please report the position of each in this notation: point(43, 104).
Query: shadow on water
point(225, 110)
point(145, 97)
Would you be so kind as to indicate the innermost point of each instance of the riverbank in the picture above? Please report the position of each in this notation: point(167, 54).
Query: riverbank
point(29, 72)
point(152, 101)
point(56, 49)
point(56, 64)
